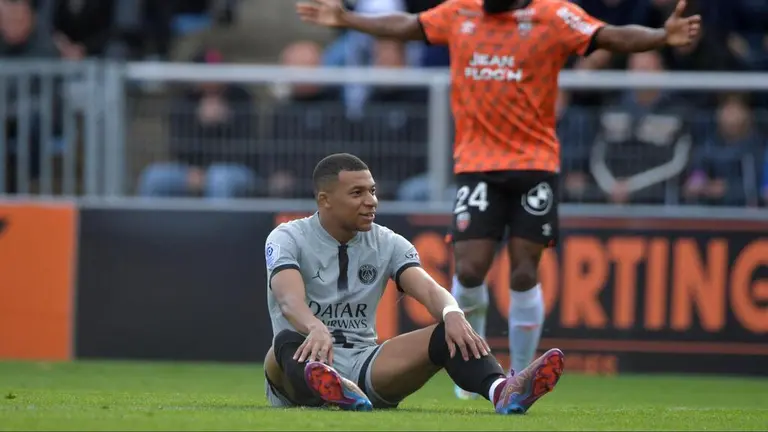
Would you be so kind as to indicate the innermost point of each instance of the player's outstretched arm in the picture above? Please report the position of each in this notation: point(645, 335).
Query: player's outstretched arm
point(418, 284)
point(331, 13)
point(288, 289)
point(677, 31)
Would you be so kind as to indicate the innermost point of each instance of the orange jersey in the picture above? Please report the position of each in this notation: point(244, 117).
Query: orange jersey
point(504, 72)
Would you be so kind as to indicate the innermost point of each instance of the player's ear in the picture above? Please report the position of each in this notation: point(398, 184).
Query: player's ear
point(322, 199)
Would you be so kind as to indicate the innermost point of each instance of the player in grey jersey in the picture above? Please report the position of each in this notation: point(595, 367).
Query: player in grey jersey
point(325, 276)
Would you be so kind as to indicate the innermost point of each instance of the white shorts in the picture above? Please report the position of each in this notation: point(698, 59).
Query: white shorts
point(353, 364)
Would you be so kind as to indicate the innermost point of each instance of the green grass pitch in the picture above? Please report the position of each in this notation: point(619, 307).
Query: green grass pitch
point(179, 396)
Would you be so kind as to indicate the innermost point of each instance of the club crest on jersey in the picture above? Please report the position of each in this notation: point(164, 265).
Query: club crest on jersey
point(462, 221)
point(467, 27)
point(538, 201)
point(524, 21)
point(524, 28)
point(367, 274)
point(272, 253)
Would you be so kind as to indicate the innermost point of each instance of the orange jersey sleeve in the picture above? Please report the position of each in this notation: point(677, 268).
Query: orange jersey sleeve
point(576, 27)
point(437, 22)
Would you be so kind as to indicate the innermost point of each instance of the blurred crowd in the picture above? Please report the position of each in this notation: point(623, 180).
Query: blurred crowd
point(226, 140)
point(120, 29)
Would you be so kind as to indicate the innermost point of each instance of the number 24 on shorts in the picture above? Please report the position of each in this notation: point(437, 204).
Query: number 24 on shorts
point(467, 197)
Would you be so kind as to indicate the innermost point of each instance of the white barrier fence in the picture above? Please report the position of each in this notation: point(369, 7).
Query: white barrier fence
point(109, 170)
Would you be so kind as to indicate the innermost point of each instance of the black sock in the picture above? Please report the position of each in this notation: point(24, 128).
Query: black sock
point(473, 375)
point(286, 345)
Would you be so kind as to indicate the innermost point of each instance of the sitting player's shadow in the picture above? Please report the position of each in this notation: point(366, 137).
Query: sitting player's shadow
point(223, 407)
point(410, 410)
point(479, 410)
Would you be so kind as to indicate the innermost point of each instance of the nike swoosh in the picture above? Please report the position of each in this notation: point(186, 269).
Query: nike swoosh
point(3, 224)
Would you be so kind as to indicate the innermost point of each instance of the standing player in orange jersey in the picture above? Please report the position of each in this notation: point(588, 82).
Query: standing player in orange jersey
point(506, 56)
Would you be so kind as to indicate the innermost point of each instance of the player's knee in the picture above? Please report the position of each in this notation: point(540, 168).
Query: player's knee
point(470, 273)
point(473, 259)
point(287, 340)
point(273, 370)
point(523, 276)
point(438, 348)
point(524, 271)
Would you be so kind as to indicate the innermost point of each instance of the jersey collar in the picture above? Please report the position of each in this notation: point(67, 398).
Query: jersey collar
point(317, 227)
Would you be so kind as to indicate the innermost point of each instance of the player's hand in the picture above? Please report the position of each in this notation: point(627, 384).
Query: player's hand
point(682, 31)
point(317, 346)
point(459, 333)
point(327, 13)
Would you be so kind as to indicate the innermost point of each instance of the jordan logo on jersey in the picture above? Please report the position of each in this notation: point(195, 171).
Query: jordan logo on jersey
point(317, 276)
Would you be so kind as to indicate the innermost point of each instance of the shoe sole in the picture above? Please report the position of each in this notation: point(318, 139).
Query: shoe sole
point(545, 378)
point(326, 383)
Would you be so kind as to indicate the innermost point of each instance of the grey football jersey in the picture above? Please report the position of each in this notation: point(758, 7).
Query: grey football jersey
point(345, 301)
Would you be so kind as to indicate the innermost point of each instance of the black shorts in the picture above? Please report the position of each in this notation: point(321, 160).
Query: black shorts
point(522, 204)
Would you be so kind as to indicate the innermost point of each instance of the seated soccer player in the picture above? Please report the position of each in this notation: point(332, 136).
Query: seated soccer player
point(326, 274)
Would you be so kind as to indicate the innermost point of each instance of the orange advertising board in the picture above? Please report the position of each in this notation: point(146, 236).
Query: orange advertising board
point(619, 293)
point(37, 261)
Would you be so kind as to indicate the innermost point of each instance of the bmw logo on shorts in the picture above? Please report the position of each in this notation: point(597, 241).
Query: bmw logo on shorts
point(538, 200)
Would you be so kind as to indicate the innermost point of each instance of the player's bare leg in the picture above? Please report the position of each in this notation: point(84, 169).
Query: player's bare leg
point(526, 309)
point(473, 259)
point(400, 370)
point(310, 384)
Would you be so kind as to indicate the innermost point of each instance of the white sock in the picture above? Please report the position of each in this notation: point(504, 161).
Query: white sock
point(492, 391)
point(474, 300)
point(526, 316)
